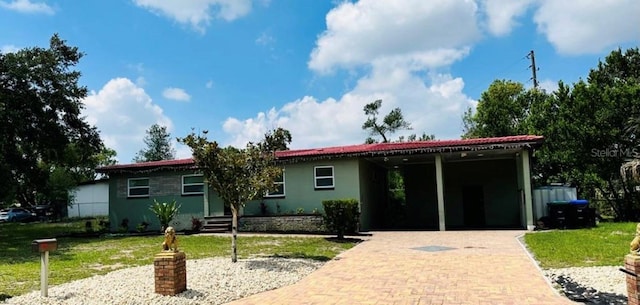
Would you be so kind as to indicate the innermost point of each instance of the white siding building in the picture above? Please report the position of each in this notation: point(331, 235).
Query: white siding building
point(90, 199)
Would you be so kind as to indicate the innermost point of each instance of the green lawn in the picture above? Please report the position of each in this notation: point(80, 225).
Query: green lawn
point(605, 245)
point(78, 258)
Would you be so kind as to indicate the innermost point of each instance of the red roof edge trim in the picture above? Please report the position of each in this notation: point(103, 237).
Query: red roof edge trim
point(357, 150)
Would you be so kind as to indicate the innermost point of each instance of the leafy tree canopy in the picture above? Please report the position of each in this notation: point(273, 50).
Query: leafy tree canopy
point(239, 175)
point(590, 128)
point(502, 110)
point(391, 123)
point(43, 130)
point(158, 142)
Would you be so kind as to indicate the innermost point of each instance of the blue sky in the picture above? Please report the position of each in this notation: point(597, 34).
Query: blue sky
point(239, 67)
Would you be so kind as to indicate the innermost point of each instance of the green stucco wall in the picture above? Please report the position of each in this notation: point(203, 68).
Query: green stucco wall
point(165, 186)
point(499, 181)
point(300, 192)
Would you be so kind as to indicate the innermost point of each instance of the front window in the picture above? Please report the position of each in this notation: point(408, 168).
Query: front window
point(323, 176)
point(279, 188)
point(192, 184)
point(138, 187)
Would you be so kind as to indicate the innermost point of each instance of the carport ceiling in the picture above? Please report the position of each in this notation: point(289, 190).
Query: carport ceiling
point(398, 160)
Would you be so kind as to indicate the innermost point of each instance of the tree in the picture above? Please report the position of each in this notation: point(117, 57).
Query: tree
point(238, 175)
point(158, 142)
point(391, 123)
point(588, 135)
point(40, 105)
point(502, 110)
point(424, 137)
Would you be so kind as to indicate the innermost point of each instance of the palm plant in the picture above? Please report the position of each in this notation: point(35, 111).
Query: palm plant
point(165, 212)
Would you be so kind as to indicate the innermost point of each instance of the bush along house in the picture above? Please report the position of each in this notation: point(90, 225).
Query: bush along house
point(480, 183)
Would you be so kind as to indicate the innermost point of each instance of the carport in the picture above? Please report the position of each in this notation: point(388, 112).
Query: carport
point(448, 185)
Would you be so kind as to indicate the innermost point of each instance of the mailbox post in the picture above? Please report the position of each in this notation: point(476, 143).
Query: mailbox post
point(43, 246)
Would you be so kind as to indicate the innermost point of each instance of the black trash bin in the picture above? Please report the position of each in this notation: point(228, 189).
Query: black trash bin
point(558, 213)
point(571, 214)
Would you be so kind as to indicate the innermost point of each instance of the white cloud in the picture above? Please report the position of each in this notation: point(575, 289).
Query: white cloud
point(402, 46)
point(579, 27)
point(436, 108)
point(123, 112)
point(501, 14)
point(9, 49)
point(26, 6)
point(399, 43)
point(176, 94)
point(548, 85)
point(139, 67)
point(183, 151)
point(368, 30)
point(265, 39)
point(198, 13)
point(209, 84)
point(141, 81)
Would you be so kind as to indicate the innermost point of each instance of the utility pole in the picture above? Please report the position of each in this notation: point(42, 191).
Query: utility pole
point(532, 56)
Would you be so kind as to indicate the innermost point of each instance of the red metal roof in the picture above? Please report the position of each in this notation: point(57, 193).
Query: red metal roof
point(361, 149)
point(145, 165)
point(435, 145)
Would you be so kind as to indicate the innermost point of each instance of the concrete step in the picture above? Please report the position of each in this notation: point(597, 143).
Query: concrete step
point(217, 224)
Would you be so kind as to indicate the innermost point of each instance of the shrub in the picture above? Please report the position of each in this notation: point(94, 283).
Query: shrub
point(124, 226)
point(103, 224)
point(142, 226)
point(341, 216)
point(263, 208)
point(196, 224)
point(165, 212)
point(88, 226)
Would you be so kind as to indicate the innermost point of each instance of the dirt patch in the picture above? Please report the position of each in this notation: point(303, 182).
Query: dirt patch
point(101, 267)
point(267, 243)
point(123, 254)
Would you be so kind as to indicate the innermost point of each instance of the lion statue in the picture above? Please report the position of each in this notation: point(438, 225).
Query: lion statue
point(635, 243)
point(170, 242)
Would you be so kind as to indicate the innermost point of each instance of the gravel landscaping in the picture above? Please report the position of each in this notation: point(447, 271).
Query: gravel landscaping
point(209, 281)
point(218, 281)
point(590, 285)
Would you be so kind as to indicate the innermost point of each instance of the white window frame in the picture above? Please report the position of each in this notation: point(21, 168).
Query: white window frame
point(316, 177)
point(129, 187)
point(192, 184)
point(284, 188)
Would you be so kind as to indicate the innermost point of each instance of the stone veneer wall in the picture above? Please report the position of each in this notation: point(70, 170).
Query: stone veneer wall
point(282, 223)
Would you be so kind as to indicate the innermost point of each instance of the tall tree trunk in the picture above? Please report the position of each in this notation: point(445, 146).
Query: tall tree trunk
point(234, 232)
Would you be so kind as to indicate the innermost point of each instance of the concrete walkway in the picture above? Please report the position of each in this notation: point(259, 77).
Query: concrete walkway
point(481, 267)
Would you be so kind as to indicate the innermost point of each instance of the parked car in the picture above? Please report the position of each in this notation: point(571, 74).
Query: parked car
point(4, 216)
point(43, 212)
point(19, 214)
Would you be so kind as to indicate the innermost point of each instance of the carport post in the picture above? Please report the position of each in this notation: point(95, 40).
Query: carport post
point(526, 179)
point(440, 191)
point(205, 198)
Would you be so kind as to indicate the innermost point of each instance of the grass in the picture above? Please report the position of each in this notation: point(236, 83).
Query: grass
point(78, 258)
point(605, 245)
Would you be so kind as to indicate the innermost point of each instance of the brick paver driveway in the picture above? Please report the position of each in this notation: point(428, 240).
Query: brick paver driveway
point(480, 267)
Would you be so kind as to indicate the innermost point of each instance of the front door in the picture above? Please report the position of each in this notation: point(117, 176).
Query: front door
point(473, 206)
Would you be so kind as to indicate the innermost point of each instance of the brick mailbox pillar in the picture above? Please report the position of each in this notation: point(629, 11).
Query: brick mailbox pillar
point(632, 264)
point(170, 273)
